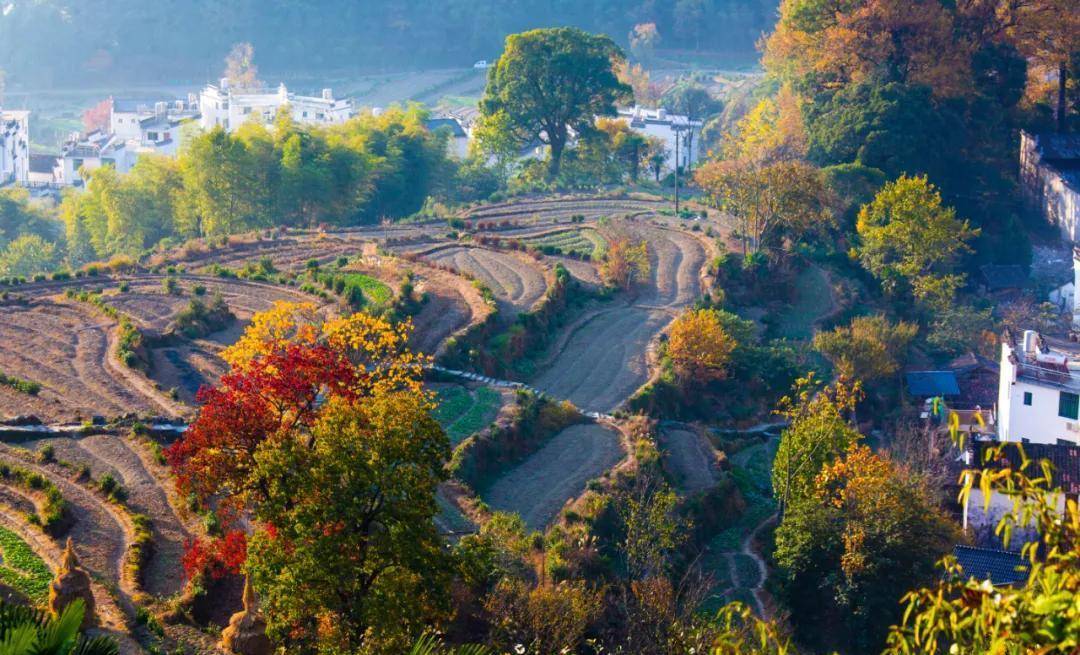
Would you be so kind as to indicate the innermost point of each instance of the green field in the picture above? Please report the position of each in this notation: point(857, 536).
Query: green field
point(813, 302)
point(374, 290)
point(461, 412)
point(751, 469)
point(22, 569)
point(572, 242)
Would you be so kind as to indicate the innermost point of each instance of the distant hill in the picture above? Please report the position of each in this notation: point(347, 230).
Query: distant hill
point(88, 42)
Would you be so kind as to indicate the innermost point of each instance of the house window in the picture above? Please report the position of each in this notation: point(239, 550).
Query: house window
point(1068, 405)
point(151, 136)
point(1027, 398)
point(305, 114)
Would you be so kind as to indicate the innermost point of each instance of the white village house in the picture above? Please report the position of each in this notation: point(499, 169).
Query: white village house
point(227, 107)
point(14, 146)
point(1050, 179)
point(136, 127)
point(1038, 407)
point(666, 127)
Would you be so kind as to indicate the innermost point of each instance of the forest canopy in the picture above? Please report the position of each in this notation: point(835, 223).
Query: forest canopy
point(46, 42)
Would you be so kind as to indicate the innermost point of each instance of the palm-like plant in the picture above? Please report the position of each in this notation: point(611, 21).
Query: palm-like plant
point(29, 631)
point(429, 644)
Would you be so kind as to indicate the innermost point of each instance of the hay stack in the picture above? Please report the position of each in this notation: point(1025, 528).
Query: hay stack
point(246, 634)
point(71, 582)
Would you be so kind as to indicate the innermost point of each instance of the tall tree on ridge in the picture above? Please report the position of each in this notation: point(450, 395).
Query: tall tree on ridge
point(551, 81)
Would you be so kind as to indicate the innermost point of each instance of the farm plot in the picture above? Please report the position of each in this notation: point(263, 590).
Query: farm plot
point(603, 360)
point(452, 305)
point(113, 455)
point(582, 271)
point(65, 348)
point(581, 242)
point(564, 209)
point(99, 534)
point(461, 411)
point(677, 260)
point(541, 485)
point(518, 283)
point(690, 458)
point(286, 254)
point(22, 569)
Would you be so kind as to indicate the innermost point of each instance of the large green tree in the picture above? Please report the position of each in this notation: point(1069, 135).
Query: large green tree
point(867, 532)
point(910, 240)
point(551, 81)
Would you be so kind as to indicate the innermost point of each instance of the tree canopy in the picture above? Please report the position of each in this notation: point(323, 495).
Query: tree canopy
point(550, 81)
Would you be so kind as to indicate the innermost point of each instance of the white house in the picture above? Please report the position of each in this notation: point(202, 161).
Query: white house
point(1039, 390)
point(136, 127)
point(230, 108)
point(459, 134)
point(1039, 410)
point(154, 125)
point(1050, 178)
point(91, 151)
point(666, 127)
point(14, 146)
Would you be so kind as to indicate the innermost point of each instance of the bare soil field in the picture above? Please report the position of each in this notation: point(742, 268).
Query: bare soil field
point(517, 281)
point(690, 458)
point(562, 209)
point(64, 346)
point(111, 454)
point(541, 485)
point(602, 359)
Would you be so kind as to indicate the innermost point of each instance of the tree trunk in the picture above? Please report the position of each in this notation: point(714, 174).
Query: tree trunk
point(1062, 108)
point(556, 145)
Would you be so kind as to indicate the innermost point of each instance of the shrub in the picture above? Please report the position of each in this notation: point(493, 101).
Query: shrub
point(170, 285)
point(18, 384)
point(46, 453)
point(198, 290)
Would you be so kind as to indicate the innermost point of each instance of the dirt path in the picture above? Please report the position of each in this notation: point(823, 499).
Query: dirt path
point(541, 485)
point(758, 590)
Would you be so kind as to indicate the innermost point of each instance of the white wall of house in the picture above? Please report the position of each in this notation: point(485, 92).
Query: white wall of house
point(14, 147)
point(1057, 198)
point(1028, 409)
point(658, 123)
point(228, 108)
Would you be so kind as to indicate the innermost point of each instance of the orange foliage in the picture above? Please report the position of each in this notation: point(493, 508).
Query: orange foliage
point(699, 346)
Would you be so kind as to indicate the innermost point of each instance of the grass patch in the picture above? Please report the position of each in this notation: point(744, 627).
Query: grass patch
point(813, 301)
point(22, 569)
point(373, 290)
point(746, 570)
point(462, 413)
point(582, 243)
point(18, 384)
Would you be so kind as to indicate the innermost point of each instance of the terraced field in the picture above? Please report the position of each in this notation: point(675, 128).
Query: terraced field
point(462, 411)
point(517, 282)
point(539, 487)
point(581, 242)
point(65, 347)
point(596, 361)
point(563, 209)
point(602, 359)
point(690, 458)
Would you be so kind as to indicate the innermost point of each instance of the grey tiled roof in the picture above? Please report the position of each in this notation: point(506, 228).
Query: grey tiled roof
point(1001, 567)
